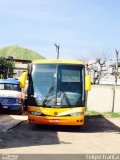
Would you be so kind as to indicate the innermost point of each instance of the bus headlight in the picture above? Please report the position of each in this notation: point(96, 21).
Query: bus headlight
point(77, 114)
point(36, 113)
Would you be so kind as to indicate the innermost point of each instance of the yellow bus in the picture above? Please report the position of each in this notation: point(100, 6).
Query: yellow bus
point(56, 92)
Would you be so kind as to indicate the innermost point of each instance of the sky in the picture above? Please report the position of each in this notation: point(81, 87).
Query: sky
point(82, 28)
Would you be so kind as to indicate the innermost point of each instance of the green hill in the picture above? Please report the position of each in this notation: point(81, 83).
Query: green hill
point(19, 53)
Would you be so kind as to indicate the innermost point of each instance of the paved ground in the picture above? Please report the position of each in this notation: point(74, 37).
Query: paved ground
point(99, 135)
point(9, 121)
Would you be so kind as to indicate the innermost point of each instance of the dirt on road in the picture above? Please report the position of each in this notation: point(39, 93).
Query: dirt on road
point(99, 135)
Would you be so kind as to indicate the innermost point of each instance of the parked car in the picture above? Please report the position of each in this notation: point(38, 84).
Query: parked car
point(11, 95)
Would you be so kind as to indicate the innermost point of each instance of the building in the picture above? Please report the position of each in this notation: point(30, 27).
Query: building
point(20, 66)
point(106, 74)
point(110, 77)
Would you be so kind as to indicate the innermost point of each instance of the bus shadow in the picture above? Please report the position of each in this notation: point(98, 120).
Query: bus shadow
point(92, 124)
point(98, 123)
point(26, 135)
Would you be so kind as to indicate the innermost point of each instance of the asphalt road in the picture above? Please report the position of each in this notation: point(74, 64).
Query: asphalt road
point(99, 135)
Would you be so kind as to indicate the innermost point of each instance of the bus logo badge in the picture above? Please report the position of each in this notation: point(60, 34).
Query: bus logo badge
point(55, 113)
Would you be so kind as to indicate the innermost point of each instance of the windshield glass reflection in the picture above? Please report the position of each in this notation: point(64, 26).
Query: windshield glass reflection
point(58, 85)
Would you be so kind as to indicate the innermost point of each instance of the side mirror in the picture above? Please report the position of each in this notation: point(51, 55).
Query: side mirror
point(22, 79)
point(87, 83)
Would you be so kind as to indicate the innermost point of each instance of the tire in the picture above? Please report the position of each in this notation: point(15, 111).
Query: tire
point(20, 111)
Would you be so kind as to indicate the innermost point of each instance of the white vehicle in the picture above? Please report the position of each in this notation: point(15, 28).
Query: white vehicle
point(11, 96)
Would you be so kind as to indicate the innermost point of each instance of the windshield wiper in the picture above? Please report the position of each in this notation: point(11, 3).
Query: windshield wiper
point(66, 97)
point(49, 92)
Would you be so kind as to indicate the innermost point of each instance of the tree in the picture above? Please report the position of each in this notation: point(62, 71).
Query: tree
point(116, 67)
point(97, 68)
point(6, 68)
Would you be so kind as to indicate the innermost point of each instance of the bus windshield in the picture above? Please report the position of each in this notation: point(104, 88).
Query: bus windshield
point(60, 85)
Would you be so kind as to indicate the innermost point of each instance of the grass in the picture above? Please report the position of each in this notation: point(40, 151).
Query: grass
point(105, 114)
point(111, 115)
point(19, 53)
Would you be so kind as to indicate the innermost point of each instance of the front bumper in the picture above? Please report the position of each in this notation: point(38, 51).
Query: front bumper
point(10, 107)
point(75, 121)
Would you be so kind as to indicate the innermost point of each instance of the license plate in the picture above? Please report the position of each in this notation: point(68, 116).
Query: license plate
point(5, 107)
point(55, 120)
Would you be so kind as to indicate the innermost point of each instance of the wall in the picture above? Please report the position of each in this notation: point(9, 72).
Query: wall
point(101, 98)
point(117, 100)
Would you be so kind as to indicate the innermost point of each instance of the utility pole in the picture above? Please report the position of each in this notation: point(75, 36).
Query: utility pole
point(8, 72)
point(57, 49)
point(117, 60)
point(116, 78)
point(10, 58)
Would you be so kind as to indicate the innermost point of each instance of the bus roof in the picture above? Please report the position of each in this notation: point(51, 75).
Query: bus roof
point(10, 81)
point(57, 61)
